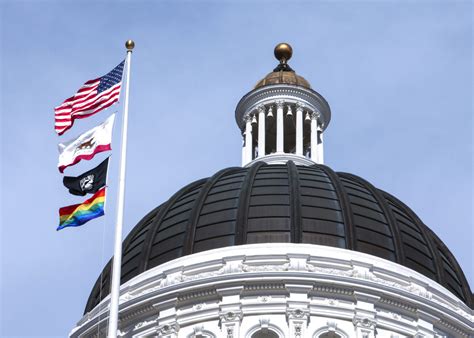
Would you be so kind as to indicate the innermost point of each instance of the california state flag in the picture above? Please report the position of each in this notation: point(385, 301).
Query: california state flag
point(85, 147)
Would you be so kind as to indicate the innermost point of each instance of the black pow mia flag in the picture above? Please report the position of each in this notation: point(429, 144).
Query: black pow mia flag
point(89, 182)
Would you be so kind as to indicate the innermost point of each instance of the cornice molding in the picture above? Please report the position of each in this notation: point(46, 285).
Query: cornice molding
point(271, 94)
point(282, 158)
point(327, 272)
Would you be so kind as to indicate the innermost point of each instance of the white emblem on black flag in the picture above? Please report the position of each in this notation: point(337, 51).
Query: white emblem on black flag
point(89, 182)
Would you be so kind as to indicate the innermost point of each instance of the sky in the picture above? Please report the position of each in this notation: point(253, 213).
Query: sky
point(397, 75)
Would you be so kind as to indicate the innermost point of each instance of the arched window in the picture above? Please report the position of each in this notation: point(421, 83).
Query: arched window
point(330, 335)
point(330, 332)
point(264, 333)
point(203, 335)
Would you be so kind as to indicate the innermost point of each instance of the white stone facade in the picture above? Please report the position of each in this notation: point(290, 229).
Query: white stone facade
point(282, 290)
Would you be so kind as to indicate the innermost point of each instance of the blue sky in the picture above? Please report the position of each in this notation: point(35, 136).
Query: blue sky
point(397, 75)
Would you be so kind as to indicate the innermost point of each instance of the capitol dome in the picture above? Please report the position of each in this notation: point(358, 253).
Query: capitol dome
point(283, 246)
point(286, 204)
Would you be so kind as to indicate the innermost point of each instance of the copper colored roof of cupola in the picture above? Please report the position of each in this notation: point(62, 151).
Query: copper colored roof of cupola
point(283, 77)
point(283, 73)
point(285, 204)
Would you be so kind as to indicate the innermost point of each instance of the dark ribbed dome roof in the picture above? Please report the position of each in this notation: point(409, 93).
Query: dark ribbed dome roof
point(285, 204)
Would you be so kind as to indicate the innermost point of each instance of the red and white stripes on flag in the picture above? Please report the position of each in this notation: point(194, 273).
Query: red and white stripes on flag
point(94, 96)
point(86, 145)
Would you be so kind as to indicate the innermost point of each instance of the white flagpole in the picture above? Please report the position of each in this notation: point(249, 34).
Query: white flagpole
point(117, 263)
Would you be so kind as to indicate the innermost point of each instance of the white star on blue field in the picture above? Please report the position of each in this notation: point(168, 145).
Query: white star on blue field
point(397, 75)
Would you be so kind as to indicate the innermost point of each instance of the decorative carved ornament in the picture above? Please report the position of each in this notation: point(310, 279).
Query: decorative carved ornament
point(238, 266)
point(364, 322)
point(167, 329)
point(299, 313)
point(230, 316)
point(298, 328)
point(264, 299)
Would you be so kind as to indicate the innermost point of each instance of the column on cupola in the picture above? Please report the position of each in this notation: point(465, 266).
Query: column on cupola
point(244, 154)
point(280, 131)
point(261, 130)
point(299, 129)
point(314, 137)
point(248, 139)
point(320, 144)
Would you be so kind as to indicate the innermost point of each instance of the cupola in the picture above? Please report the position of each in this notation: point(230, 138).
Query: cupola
point(282, 118)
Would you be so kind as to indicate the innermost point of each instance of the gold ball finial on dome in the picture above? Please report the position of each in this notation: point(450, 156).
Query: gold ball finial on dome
point(283, 52)
point(129, 44)
point(283, 73)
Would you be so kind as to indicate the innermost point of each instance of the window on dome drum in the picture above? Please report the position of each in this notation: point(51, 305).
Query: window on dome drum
point(264, 333)
point(329, 335)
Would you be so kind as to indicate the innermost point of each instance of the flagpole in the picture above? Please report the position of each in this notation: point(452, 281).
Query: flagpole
point(117, 262)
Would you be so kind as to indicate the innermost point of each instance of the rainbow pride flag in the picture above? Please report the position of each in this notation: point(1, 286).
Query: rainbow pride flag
point(78, 214)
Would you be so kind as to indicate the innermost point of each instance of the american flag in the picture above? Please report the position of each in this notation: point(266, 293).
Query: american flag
point(94, 96)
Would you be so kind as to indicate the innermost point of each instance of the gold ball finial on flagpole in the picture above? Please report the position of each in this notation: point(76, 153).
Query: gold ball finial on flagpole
point(129, 45)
